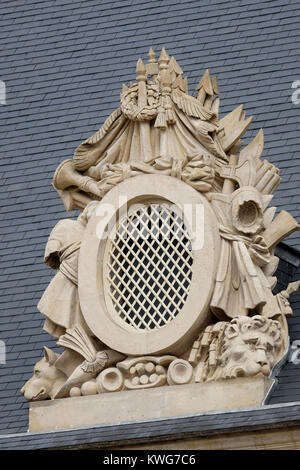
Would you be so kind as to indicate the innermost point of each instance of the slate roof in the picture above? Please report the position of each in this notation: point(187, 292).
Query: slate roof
point(162, 429)
point(63, 63)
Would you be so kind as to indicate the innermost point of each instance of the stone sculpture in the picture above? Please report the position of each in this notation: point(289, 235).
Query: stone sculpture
point(243, 347)
point(60, 302)
point(46, 378)
point(140, 299)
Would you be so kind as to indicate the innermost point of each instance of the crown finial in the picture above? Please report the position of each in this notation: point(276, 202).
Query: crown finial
point(175, 67)
point(140, 66)
point(163, 60)
point(151, 56)
point(152, 67)
point(140, 70)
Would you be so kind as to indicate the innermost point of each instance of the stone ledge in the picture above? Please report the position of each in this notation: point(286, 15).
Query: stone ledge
point(103, 436)
point(147, 404)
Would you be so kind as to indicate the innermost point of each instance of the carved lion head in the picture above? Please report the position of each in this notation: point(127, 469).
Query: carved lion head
point(249, 347)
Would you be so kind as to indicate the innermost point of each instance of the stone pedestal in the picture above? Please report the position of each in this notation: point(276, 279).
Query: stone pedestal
point(147, 404)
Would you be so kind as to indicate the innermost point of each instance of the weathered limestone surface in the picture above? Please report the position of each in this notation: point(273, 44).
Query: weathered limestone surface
point(147, 404)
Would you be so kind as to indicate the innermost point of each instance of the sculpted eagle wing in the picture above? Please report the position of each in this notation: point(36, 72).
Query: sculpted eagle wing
point(190, 106)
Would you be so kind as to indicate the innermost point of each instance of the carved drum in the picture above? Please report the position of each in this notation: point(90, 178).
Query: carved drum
point(147, 264)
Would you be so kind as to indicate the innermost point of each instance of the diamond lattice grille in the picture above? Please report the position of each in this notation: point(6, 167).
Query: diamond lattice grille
point(149, 266)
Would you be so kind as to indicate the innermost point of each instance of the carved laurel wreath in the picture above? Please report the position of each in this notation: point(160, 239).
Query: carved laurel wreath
point(130, 107)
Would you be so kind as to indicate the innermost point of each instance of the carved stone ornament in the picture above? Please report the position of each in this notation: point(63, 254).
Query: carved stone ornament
point(166, 276)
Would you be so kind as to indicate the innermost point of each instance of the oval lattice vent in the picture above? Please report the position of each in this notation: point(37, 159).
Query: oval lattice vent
point(149, 266)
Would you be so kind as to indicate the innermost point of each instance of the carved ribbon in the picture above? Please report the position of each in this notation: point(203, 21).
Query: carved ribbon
point(256, 245)
point(69, 269)
point(192, 171)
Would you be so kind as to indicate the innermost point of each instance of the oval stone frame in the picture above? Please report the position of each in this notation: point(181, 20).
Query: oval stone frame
point(176, 336)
